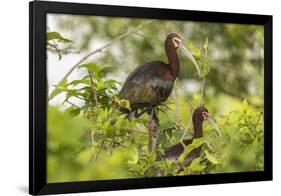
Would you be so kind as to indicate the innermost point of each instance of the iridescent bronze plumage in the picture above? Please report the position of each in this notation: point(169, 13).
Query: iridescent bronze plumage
point(152, 83)
point(175, 151)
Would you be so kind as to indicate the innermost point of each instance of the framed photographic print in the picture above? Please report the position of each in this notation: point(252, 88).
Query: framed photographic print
point(130, 97)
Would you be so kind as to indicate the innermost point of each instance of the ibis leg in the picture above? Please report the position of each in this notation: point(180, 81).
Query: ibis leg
point(150, 131)
point(131, 115)
point(153, 132)
point(157, 129)
point(141, 113)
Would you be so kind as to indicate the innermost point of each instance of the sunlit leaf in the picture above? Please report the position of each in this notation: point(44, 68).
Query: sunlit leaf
point(57, 36)
point(84, 80)
point(211, 158)
point(204, 67)
point(195, 166)
point(74, 112)
point(195, 144)
point(91, 67)
point(107, 68)
point(58, 89)
point(134, 155)
point(245, 105)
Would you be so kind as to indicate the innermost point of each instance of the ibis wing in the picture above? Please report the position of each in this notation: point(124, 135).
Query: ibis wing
point(140, 92)
point(144, 86)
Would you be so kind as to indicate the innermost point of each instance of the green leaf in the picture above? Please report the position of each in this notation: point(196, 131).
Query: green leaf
point(59, 88)
point(152, 156)
point(107, 68)
point(74, 112)
point(125, 104)
point(56, 49)
point(203, 61)
point(134, 155)
point(195, 166)
point(84, 156)
point(195, 144)
point(84, 80)
point(57, 36)
point(245, 105)
point(64, 130)
point(211, 158)
point(204, 67)
point(92, 67)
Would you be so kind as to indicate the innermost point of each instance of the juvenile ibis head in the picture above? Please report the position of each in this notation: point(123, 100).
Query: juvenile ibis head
point(199, 115)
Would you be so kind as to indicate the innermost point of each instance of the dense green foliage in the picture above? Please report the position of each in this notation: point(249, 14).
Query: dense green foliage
point(88, 137)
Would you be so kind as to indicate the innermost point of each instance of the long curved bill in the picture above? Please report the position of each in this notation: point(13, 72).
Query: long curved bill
point(214, 125)
point(190, 56)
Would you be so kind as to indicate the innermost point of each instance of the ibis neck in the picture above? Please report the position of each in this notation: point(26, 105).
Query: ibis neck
point(173, 60)
point(198, 130)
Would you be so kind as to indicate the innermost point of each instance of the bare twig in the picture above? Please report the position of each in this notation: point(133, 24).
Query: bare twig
point(261, 113)
point(183, 135)
point(100, 49)
point(202, 91)
point(189, 103)
point(116, 143)
point(140, 34)
point(65, 50)
point(97, 155)
point(176, 99)
point(92, 138)
point(206, 47)
point(73, 104)
point(204, 78)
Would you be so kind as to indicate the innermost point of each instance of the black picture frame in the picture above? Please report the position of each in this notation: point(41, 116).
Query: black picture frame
point(38, 93)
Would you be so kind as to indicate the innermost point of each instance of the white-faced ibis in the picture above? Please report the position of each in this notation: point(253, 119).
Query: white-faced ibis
point(151, 83)
point(199, 115)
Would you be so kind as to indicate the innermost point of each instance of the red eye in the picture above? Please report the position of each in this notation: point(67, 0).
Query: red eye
point(177, 40)
point(205, 115)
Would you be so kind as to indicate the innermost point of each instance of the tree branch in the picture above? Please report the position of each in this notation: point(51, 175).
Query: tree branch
point(73, 104)
point(176, 100)
point(66, 50)
point(189, 103)
point(261, 113)
point(183, 135)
